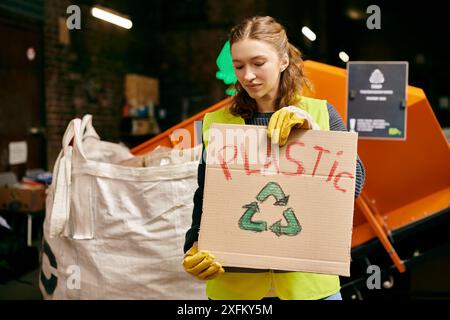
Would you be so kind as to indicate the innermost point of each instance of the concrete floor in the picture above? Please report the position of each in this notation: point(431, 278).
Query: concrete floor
point(24, 288)
point(26, 285)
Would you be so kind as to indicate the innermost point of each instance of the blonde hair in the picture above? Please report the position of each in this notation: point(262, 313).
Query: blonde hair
point(292, 79)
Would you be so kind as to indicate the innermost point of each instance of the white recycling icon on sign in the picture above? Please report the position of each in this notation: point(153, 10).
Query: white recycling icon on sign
point(376, 79)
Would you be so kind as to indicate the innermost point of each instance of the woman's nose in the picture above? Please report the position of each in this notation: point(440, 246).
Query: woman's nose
point(249, 74)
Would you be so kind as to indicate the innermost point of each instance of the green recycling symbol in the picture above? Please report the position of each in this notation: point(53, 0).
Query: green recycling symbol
point(270, 189)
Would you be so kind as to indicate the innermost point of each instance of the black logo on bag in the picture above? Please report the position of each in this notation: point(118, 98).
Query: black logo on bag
point(49, 283)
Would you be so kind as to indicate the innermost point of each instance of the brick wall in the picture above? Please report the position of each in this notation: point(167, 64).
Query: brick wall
point(85, 76)
point(178, 47)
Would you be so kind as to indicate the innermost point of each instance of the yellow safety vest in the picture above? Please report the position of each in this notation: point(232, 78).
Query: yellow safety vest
point(287, 285)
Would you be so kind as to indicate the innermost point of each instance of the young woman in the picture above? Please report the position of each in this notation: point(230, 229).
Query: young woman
point(270, 80)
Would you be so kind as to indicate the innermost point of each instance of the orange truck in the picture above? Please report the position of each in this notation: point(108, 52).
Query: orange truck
point(401, 228)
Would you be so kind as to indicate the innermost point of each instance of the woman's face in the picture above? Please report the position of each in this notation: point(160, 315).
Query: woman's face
point(257, 67)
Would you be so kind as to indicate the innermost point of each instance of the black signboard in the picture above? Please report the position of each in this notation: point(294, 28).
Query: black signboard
point(376, 100)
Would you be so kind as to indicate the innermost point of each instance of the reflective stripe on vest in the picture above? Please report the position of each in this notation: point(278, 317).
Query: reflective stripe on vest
point(289, 285)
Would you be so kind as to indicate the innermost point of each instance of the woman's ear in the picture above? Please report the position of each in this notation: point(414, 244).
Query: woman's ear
point(284, 63)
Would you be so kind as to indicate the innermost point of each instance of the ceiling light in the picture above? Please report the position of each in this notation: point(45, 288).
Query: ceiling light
point(355, 14)
point(307, 32)
point(107, 15)
point(344, 57)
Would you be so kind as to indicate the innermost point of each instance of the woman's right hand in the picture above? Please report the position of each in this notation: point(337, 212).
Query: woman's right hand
point(201, 264)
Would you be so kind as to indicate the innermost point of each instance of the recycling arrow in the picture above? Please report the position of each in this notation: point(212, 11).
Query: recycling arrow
point(274, 189)
point(270, 189)
point(293, 228)
point(246, 223)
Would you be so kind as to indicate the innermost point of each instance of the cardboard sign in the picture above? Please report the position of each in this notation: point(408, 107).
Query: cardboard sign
point(288, 208)
point(377, 99)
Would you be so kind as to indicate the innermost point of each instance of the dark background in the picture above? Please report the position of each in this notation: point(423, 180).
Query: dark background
point(178, 43)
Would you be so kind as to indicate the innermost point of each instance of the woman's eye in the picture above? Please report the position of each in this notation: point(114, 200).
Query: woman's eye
point(238, 67)
point(259, 64)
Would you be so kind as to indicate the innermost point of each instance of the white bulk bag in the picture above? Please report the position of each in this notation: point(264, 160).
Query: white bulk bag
point(98, 150)
point(116, 232)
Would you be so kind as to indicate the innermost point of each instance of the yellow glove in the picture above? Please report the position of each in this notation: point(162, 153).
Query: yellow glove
point(283, 120)
point(201, 264)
